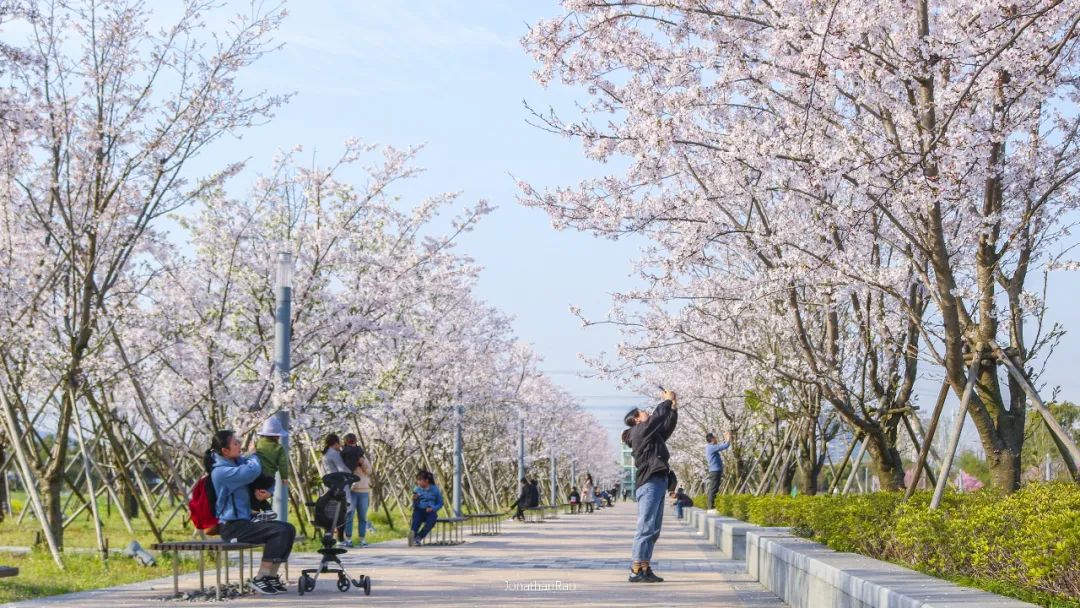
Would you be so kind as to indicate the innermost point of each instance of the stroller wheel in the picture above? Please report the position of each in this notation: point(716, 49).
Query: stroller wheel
point(367, 585)
point(343, 583)
point(304, 584)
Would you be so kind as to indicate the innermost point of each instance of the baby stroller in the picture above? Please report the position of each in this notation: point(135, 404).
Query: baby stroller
point(329, 511)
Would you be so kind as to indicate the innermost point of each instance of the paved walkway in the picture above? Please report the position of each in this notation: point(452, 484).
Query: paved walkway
point(578, 559)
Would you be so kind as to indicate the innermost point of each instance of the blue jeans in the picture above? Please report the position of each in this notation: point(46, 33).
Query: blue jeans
point(650, 516)
point(358, 503)
point(423, 522)
point(678, 510)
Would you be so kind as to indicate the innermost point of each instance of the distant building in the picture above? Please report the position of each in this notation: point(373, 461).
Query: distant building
point(629, 472)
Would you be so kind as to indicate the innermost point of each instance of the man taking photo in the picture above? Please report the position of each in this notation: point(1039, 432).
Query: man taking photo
point(716, 466)
point(647, 436)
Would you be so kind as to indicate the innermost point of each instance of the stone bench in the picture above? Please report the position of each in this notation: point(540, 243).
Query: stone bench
point(806, 574)
point(485, 524)
point(550, 511)
point(732, 536)
point(534, 515)
point(218, 548)
point(447, 531)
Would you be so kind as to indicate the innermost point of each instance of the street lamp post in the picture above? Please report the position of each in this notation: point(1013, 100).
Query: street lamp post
point(460, 410)
point(521, 450)
point(554, 480)
point(283, 365)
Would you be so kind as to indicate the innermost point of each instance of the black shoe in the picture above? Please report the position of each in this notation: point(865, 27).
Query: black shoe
point(280, 586)
point(264, 585)
point(650, 576)
point(637, 577)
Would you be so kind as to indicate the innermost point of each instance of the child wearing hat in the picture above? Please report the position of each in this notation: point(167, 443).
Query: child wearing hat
point(274, 461)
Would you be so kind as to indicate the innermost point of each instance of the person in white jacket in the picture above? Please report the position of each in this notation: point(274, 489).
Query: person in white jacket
point(588, 494)
point(360, 493)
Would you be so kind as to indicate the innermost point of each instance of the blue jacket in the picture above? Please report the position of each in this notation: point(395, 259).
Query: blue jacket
point(712, 454)
point(431, 497)
point(231, 478)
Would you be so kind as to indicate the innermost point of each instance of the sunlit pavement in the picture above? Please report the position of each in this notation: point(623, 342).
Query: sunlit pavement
point(575, 559)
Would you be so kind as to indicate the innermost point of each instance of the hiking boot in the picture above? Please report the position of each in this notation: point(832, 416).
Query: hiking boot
point(650, 576)
point(637, 577)
point(264, 585)
point(276, 582)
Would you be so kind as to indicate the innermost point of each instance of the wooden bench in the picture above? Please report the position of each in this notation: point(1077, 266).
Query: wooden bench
point(485, 524)
point(221, 550)
point(6, 571)
point(447, 532)
point(534, 515)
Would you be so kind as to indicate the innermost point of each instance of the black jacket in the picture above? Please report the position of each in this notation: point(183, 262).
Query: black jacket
point(648, 442)
point(534, 496)
point(351, 454)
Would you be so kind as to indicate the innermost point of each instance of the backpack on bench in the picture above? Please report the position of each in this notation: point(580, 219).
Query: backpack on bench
point(201, 506)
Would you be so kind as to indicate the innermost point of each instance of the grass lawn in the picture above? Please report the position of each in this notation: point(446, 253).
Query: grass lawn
point(39, 576)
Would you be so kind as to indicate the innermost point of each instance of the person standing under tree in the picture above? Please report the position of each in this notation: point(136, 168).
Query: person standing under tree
point(716, 466)
point(647, 437)
point(360, 492)
point(588, 494)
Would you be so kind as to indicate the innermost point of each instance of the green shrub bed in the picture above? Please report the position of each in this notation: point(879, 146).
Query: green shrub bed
point(1025, 545)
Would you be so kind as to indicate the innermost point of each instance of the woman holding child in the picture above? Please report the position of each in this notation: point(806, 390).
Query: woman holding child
point(231, 474)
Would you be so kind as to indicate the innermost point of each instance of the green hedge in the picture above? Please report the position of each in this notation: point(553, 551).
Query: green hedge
point(1025, 545)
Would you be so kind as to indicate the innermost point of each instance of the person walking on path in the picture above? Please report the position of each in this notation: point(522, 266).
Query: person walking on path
point(523, 500)
point(713, 447)
point(647, 437)
point(230, 473)
point(332, 462)
point(588, 494)
point(534, 493)
point(360, 493)
point(427, 500)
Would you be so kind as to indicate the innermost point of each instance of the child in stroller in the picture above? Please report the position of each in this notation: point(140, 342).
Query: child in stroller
point(329, 514)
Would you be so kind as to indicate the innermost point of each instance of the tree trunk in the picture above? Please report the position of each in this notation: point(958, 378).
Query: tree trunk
point(888, 465)
point(54, 511)
point(787, 479)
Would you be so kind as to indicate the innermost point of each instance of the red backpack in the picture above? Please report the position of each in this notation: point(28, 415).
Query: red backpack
point(201, 506)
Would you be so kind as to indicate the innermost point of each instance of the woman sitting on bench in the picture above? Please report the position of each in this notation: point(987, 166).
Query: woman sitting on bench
point(427, 500)
point(231, 473)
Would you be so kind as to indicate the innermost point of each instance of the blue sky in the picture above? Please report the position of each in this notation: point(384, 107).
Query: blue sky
point(453, 76)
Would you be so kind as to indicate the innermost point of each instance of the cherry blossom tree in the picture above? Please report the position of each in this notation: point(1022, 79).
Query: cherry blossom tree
point(114, 110)
point(844, 160)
